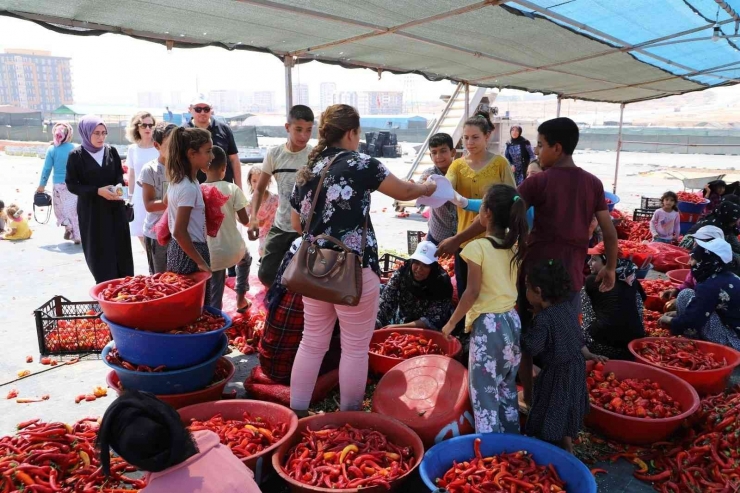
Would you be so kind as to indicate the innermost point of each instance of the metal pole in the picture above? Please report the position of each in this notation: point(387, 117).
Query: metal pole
point(560, 101)
point(619, 147)
point(288, 61)
point(467, 100)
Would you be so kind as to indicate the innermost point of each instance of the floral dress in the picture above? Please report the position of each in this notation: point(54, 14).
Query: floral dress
point(265, 216)
point(344, 201)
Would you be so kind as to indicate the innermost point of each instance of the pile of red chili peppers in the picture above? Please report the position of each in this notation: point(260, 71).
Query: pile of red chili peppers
point(246, 331)
point(682, 354)
point(347, 457)
point(405, 346)
point(448, 264)
point(650, 322)
point(55, 457)
point(636, 397)
point(146, 288)
point(689, 197)
point(653, 287)
point(245, 437)
point(635, 231)
point(115, 359)
point(205, 323)
point(515, 471)
point(83, 334)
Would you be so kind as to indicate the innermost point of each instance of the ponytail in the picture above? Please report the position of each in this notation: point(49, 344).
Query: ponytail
point(509, 215)
point(481, 120)
point(336, 120)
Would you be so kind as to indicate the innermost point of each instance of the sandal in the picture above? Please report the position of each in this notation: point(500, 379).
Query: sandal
point(245, 307)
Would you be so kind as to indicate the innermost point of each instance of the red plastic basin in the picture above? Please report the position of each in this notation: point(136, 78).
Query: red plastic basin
point(212, 393)
point(157, 315)
point(683, 261)
point(678, 276)
point(430, 395)
point(704, 381)
point(397, 432)
point(260, 463)
point(633, 430)
point(380, 364)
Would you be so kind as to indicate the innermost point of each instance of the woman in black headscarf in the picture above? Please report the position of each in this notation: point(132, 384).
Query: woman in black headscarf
point(519, 153)
point(149, 435)
point(614, 318)
point(725, 217)
point(419, 294)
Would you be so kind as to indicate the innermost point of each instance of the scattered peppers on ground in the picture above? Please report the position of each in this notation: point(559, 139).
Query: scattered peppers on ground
point(146, 288)
point(636, 397)
point(347, 457)
point(405, 346)
point(515, 471)
point(653, 287)
point(246, 331)
point(245, 437)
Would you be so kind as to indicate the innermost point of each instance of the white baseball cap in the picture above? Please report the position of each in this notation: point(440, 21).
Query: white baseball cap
point(719, 247)
point(709, 233)
point(426, 253)
point(199, 99)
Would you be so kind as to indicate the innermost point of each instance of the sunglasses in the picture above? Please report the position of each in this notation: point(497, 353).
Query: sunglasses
point(146, 125)
point(202, 109)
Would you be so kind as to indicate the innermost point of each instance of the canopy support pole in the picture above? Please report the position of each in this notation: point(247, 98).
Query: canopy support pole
point(467, 100)
point(560, 102)
point(619, 147)
point(288, 61)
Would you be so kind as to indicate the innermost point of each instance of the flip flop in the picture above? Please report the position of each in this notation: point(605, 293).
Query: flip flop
point(244, 308)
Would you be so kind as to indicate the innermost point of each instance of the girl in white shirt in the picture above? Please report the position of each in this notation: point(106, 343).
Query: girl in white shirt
point(189, 151)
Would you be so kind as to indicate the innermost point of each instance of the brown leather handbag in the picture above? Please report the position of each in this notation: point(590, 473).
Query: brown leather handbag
point(325, 274)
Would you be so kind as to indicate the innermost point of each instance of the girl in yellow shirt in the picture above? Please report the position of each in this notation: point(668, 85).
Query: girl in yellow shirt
point(471, 176)
point(488, 306)
point(18, 225)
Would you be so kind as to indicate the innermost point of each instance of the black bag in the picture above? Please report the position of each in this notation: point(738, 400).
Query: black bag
point(129, 211)
point(42, 199)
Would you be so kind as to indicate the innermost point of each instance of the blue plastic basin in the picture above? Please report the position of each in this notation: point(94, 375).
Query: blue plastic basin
point(613, 198)
point(141, 347)
point(169, 382)
point(438, 459)
point(692, 208)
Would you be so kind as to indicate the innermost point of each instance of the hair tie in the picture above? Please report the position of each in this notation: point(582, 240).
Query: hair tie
point(516, 197)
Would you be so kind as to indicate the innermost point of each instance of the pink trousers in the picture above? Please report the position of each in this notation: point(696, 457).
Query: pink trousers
point(357, 324)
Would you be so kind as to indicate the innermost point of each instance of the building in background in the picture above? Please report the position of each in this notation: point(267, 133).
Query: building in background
point(300, 94)
point(380, 103)
point(225, 100)
point(346, 97)
point(149, 100)
point(35, 79)
point(327, 91)
point(263, 102)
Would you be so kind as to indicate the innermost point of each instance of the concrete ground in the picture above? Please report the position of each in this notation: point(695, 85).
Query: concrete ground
point(33, 271)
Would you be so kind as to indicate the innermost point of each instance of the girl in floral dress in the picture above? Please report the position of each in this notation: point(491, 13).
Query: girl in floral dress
point(268, 207)
point(489, 302)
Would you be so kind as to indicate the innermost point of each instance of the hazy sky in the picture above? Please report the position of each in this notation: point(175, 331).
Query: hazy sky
point(121, 66)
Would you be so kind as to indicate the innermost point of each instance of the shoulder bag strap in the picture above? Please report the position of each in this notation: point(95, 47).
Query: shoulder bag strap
point(318, 192)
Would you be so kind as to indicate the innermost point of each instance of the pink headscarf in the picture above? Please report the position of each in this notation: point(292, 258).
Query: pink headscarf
point(62, 133)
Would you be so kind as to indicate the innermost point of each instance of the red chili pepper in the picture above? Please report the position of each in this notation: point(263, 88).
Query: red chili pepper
point(635, 397)
point(689, 197)
point(244, 437)
point(146, 288)
point(679, 353)
point(405, 346)
point(369, 459)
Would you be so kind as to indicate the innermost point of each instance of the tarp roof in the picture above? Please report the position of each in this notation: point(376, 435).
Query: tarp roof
point(602, 50)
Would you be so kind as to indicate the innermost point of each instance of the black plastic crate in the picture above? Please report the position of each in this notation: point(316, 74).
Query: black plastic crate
point(413, 238)
point(650, 204)
point(70, 327)
point(642, 215)
point(388, 264)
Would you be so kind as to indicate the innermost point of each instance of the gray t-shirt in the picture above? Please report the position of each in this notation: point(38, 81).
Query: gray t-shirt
point(153, 174)
point(283, 164)
point(187, 194)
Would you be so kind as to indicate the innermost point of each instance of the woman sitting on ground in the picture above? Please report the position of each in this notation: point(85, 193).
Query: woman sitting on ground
point(419, 294)
point(725, 217)
point(148, 434)
point(711, 311)
point(614, 318)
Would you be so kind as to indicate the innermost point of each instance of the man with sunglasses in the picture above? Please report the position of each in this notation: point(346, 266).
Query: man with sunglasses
point(222, 136)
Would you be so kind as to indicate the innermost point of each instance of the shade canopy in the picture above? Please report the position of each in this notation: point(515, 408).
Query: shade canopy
point(602, 50)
